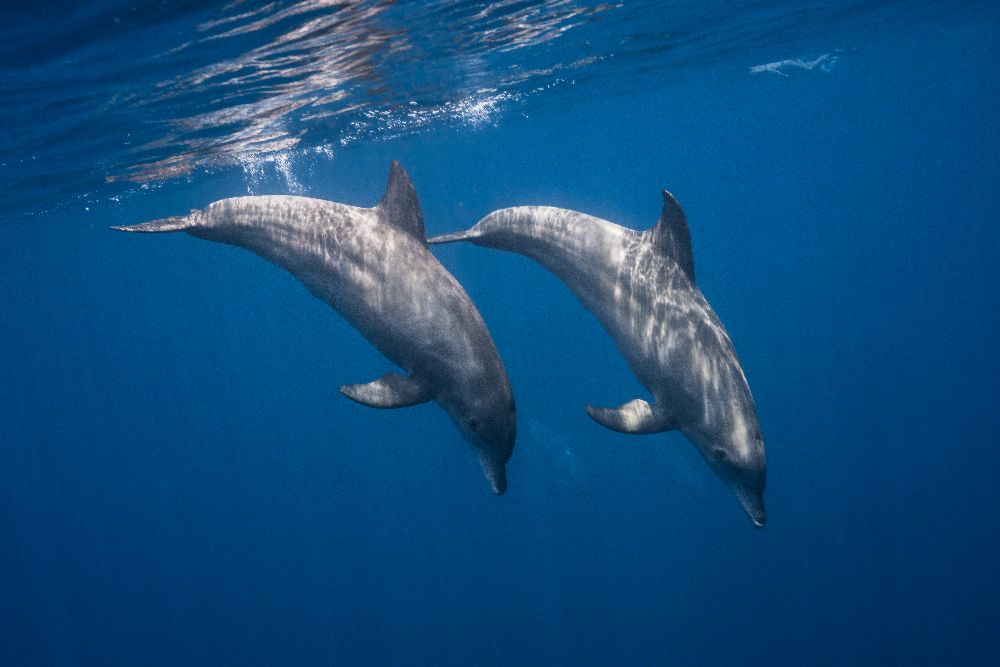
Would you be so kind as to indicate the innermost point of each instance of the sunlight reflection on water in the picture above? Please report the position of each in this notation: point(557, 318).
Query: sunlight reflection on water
point(142, 93)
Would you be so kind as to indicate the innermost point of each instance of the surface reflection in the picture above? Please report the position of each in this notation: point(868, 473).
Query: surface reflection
point(140, 93)
point(322, 67)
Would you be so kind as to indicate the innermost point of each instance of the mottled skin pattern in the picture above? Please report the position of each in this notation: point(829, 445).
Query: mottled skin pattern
point(669, 335)
point(379, 275)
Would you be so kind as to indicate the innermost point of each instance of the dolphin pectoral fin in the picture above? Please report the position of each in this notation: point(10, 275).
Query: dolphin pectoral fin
point(635, 417)
point(392, 390)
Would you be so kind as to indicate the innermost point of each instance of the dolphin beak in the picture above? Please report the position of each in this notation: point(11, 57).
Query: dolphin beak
point(496, 474)
point(753, 504)
point(499, 485)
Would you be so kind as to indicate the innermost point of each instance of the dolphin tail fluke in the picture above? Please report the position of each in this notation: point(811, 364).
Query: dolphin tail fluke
point(452, 238)
point(176, 223)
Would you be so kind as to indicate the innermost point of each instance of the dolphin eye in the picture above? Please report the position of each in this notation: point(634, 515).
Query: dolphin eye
point(474, 424)
point(720, 454)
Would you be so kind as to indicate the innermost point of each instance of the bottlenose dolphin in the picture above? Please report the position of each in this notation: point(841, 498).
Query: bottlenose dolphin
point(373, 267)
point(641, 287)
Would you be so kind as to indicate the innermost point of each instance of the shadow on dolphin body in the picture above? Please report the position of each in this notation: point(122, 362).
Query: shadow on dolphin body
point(641, 286)
point(373, 267)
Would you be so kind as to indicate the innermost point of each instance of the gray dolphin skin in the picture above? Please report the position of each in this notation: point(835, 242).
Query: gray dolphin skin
point(373, 267)
point(641, 286)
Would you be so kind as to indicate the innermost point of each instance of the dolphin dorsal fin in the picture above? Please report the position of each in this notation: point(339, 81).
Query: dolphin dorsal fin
point(399, 205)
point(671, 235)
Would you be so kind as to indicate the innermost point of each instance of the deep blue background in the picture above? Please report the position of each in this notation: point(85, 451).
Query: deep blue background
point(180, 481)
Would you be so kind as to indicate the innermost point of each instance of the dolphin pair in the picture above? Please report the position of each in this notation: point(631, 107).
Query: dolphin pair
point(373, 267)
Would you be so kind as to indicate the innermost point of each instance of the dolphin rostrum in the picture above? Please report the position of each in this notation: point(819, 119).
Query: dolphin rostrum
point(373, 267)
point(641, 286)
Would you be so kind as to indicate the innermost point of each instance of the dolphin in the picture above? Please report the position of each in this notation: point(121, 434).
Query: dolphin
point(372, 266)
point(641, 287)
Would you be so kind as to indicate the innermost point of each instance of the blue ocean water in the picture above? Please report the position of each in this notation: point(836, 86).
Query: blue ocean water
point(180, 481)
